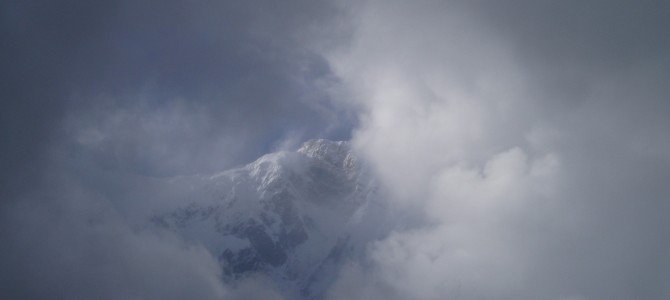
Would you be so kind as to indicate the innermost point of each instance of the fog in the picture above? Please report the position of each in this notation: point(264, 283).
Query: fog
point(524, 143)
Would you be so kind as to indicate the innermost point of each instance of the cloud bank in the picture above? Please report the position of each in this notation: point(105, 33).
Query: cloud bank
point(530, 137)
point(101, 100)
point(526, 141)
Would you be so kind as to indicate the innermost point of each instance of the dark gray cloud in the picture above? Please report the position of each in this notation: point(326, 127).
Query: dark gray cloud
point(98, 98)
point(77, 248)
point(244, 70)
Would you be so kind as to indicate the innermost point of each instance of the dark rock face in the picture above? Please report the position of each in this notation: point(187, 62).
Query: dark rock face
point(263, 251)
point(245, 260)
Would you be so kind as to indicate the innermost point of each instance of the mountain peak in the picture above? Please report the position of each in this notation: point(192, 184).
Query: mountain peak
point(293, 216)
point(334, 152)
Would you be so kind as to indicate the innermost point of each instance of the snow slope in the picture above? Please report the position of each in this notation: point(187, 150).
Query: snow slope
point(293, 216)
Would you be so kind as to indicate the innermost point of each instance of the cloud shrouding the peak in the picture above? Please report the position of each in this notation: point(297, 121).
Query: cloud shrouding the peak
point(531, 137)
point(526, 142)
point(100, 100)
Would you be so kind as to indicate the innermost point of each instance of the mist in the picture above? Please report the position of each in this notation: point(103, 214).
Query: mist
point(521, 147)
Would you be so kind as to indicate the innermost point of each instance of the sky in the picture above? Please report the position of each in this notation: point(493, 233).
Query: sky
point(530, 136)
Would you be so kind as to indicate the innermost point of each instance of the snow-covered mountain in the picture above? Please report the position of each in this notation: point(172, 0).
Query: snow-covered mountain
point(292, 216)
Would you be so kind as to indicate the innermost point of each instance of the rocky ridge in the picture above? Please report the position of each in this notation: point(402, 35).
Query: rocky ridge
point(292, 216)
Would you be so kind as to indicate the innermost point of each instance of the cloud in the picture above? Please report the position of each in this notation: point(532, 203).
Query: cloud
point(99, 100)
point(76, 247)
point(530, 138)
point(247, 69)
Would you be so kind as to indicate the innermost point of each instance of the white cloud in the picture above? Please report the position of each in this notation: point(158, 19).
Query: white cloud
point(522, 193)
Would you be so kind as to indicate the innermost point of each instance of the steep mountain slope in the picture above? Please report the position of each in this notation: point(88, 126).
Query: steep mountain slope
point(293, 216)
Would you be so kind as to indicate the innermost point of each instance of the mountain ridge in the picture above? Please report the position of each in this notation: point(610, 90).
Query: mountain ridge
point(290, 215)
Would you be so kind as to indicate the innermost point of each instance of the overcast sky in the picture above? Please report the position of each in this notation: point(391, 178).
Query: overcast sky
point(530, 136)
